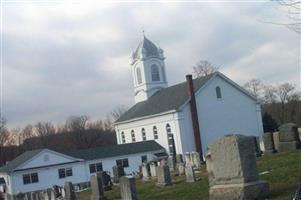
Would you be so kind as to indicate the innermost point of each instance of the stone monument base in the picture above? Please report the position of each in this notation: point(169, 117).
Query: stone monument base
point(269, 152)
point(289, 146)
point(244, 191)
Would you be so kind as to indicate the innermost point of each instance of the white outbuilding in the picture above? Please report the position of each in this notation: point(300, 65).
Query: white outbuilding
point(188, 116)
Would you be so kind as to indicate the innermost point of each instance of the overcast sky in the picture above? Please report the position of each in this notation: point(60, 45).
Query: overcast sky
point(63, 59)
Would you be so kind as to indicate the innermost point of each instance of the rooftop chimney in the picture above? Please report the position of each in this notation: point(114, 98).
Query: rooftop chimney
point(194, 116)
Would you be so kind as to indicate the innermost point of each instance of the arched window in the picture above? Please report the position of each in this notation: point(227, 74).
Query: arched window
point(218, 92)
point(155, 73)
point(138, 72)
point(122, 137)
point(155, 131)
point(133, 136)
point(171, 143)
point(143, 134)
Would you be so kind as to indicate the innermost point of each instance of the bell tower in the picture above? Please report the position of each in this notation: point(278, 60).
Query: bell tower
point(148, 69)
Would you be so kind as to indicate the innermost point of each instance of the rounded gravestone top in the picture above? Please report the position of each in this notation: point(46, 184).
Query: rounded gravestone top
point(288, 132)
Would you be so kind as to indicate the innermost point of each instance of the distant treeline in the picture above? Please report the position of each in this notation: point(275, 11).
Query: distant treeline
point(76, 133)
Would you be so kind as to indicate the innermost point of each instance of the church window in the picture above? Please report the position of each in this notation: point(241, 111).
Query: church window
point(143, 134)
point(155, 131)
point(122, 137)
point(218, 92)
point(133, 136)
point(155, 73)
point(138, 72)
point(171, 143)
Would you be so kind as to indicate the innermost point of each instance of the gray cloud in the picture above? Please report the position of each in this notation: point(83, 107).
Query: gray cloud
point(71, 59)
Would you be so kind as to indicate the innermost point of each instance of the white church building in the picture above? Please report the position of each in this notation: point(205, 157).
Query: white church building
point(188, 116)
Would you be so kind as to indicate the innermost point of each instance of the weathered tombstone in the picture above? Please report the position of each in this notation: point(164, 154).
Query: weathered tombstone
point(234, 170)
point(276, 140)
point(268, 141)
point(145, 172)
point(69, 191)
point(163, 175)
point(153, 169)
point(52, 195)
point(181, 169)
point(118, 172)
point(288, 137)
point(179, 158)
point(195, 159)
point(190, 175)
point(32, 196)
point(172, 163)
point(209, 167)
point(128, 188)
point(97, 192)
point(188, 159)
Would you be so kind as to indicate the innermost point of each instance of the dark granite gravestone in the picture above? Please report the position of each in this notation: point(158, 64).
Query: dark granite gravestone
point(128, 188)
point(288, 137)
point(163, 175)
point(97, 191)
point(233, 168)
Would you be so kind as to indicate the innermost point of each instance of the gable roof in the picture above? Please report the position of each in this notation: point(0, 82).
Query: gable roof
point(90, 154)
point(10, 166)
point(116, 150)
point(166, 99)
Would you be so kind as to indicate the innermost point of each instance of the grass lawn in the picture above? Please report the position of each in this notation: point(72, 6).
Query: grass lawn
point(283, 177)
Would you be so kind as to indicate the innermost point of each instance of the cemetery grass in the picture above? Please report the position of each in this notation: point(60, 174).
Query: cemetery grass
point(284, 175)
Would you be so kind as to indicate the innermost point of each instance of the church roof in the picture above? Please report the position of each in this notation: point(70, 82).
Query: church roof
point(165, 100)
point(147, 47)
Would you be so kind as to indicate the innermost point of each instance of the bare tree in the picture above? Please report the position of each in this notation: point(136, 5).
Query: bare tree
point(43, 130)
point(255, 87)
point(204, 68)
point(285, 92)
point(269, 94)
point(117, 112)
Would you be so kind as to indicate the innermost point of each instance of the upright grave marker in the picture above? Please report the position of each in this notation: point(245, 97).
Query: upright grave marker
point(288, 137)
point(118, 172)
point(97, 190)
point(233, 168)
point(69, 191)
point(163, 175)
point(268, 141)
point(128, 188)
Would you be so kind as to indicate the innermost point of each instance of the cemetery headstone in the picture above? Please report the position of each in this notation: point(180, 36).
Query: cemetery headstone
point(181, 169)
point(145, 172)
point(106, 180)
point(153, 169)
point(268, 141)
point(288, 137)
point(97, 191)
point(128, 188)
point(118, 172)
point(195, 159)
point(276, 140)
point(188, 159)
point(234, 170)
point(163, 175)
point(69, 191)
point(190, 175)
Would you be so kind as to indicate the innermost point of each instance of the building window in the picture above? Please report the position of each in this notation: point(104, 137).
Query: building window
point(133, 136)
point(168, 129)
point(155, 132)
point(122, 137)
point(65, 172)
point(143, 134)
point(144, 159)
point(122, 162)
point(155, 73)
point(138, 72)
point(30, 178)
point(218, 92)
point(95, 167)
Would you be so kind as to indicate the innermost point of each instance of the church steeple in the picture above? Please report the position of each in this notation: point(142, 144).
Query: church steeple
point(148, 69)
